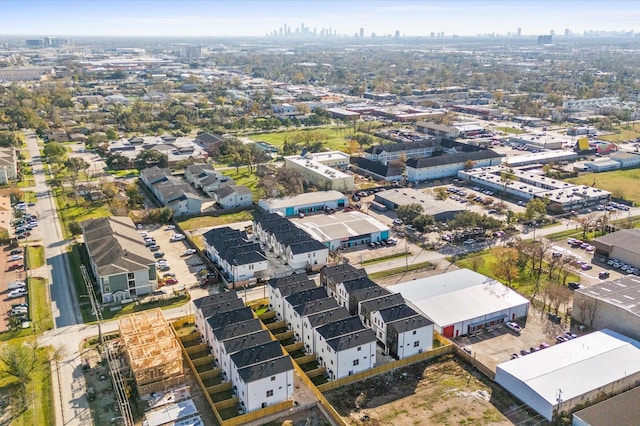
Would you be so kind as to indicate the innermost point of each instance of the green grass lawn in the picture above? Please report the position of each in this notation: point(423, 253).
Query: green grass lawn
point(119, 174)
point(78, 281)
point(524, 284)
point(334, 137)
point(208, 221)
point(39, 305)
point(621, 183)
point(39, 409)
point(400, 270)
point(384, 258)
point(623, 133)
point(29, 197)
point(72, 211)
point(35, 257)
point(243, 177)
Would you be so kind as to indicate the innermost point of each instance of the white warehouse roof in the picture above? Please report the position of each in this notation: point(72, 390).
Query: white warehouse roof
point(458, 296)
point(576, 367)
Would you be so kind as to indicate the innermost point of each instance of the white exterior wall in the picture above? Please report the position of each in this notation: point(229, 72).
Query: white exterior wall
point(341, 364)
point(461, 327)
point(447, 170)
point(303, 260)
point(379, 327)
point(254, 394)
point(308, 336)
point(406, 341)
point(342, 297)
point(295, 323)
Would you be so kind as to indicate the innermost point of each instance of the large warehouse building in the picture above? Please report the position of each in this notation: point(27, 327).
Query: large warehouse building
point(559, 378)
point(441, 210)
point(610, 304)
point(309, 202)
point(462, 302)
point(623, 245)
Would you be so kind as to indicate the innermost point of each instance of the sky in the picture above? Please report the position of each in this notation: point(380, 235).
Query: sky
point(192, 18)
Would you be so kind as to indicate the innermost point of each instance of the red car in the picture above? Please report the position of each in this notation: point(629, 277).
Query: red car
point(16, 266)
point(171, 280)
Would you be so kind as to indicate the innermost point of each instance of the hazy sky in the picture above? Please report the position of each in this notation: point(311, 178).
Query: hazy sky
point(251, 18)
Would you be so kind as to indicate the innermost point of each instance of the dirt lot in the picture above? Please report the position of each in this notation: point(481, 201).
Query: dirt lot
point(440, 392)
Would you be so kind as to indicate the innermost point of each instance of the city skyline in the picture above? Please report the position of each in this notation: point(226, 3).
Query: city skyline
point(259, 18)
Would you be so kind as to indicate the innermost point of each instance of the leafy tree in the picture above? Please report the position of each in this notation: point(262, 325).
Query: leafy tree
point(536, 209)
point(290, 180)
point(409, 212)
point(19, 361)
point(75, 228)
point(441, 193)
point(75, 165)
point(505, 266)
point(117, 161)
point(135, 198)
point(55, 152)
point(149, 158)
point(10, 139)
point(423, 222)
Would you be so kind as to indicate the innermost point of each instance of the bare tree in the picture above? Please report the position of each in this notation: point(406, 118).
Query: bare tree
point(476, 262)
point(505, 265)
point(587, 222)
point(588, 307)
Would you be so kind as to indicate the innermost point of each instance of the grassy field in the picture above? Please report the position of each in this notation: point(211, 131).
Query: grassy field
point(622, 134)
point(119, 174)
point(523, 284)
point(621, 183)
point(70, 211)
point(243, 177)
point(35, 257)
point(81, 290)
point(29, 197)
point(39, 409)
point(334, 138)
point(209, 221)
point(39, 304)
point(400, 270)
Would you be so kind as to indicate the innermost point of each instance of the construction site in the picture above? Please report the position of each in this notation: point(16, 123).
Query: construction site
point(152, 350)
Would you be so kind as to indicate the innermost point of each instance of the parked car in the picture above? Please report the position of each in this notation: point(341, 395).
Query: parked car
point(171, 280)
point(514, 327)
point(397, 221)
point(515, 355)
point(16, 285)
point(170, 228)
point(177, 237)
point(17, 293)
point(524, 352)
point(15, 251)
point(470, 241)
point(16, 257)
point(188, 252)
point(574, 285)
point(603, 275)
point(544, 345)
point(15, 266)
point(586, 267)
point(570, 335)
point(158, 254)
point(168, 274)
point(556, 254)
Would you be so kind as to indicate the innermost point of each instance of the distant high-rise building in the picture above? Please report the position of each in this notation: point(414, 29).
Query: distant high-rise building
point(361, 32)
point(34, 43)
point(519, 32)
point(552, 32)
point(544, 39)
point(567, 32)
point(397, 34)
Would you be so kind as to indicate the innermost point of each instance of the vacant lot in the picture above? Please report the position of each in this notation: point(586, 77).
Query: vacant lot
point(440, 392)
point(621, 183)
point(332, 138)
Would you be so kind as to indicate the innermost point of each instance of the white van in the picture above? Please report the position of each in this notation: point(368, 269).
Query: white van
point(16, 285)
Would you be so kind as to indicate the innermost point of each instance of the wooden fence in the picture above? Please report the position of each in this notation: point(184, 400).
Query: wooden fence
point(363, 375)
point(474, 362)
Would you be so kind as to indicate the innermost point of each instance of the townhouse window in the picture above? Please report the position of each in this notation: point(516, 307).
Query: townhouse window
point(269, 393)
point(359, 348)
point(107, 289)
point(356, 362)
point(416, 344)
point(273, 378)
point(414, 332)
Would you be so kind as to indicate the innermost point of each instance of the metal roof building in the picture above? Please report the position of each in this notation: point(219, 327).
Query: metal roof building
point(557, 379)
point(623, 245)
point(622, 409)
point(462, 302)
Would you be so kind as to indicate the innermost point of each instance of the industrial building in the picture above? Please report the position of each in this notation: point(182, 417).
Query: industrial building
point(623, 245)
point(343, 230)
point(441, 210)
point(309, 202)
point(556, 380)
point(622, 409)
point(322, 169)
point(462, 302)
point(610, 304)
point(449, 164)
point(525, 184)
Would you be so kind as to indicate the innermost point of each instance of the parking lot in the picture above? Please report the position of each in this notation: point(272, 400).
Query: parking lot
point(10, 275)
point(496, 345)
point(184, 268)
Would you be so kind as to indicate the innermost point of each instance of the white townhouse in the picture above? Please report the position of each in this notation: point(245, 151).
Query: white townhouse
point(221, 320)
point(345, 347)
point(402, 331)
point(344, 289)
point(276, 301)
point(261, 376)
point(311, 322)
point(311, 307)
point(237, 343)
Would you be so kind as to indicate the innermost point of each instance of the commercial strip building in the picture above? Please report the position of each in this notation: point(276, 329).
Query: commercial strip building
point(613, 304)
point(544, 157)
point(122, 265)
point(462, 302)
point(343, 230)
point(441, 210)
point(322, 169)
point(524, 184)
point(559, 378)
point(309, 202)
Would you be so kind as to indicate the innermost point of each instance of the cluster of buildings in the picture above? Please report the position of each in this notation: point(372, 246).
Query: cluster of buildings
point(181, 193)
point(323, 169)
point(257, 367)
point(236, 255)
point(177, 149)
point(525, 184)
point(8, 165)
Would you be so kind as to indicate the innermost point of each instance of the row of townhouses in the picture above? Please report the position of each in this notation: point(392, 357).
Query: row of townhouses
point(237, 256)
point(260, 372)
point(171, 191)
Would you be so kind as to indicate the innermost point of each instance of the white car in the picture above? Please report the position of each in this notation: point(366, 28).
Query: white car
point(177, 237)
point(514, 327)
point(16, 257)
point(397, 221)
point(188, 252)
point(170, 228)
point(17, 293)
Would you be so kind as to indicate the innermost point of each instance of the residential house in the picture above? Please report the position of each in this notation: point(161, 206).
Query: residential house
point(332, 275)
point(345, 347)
point(313, 321)
point(233, 196)
point(238, 258)
point(261, 376)
point(310, 307)
point(402, 331)
point(223, 319)
point(228, 331)
point(344, 289)
point(363, 294)
point(367, 307)
point(122, 265)
point(237, 343)
point(211, 299)
point(205, 178)
point(209, 141)
point(284, 290)
point(171, 191)
point(8, 165)
point(299, 298)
